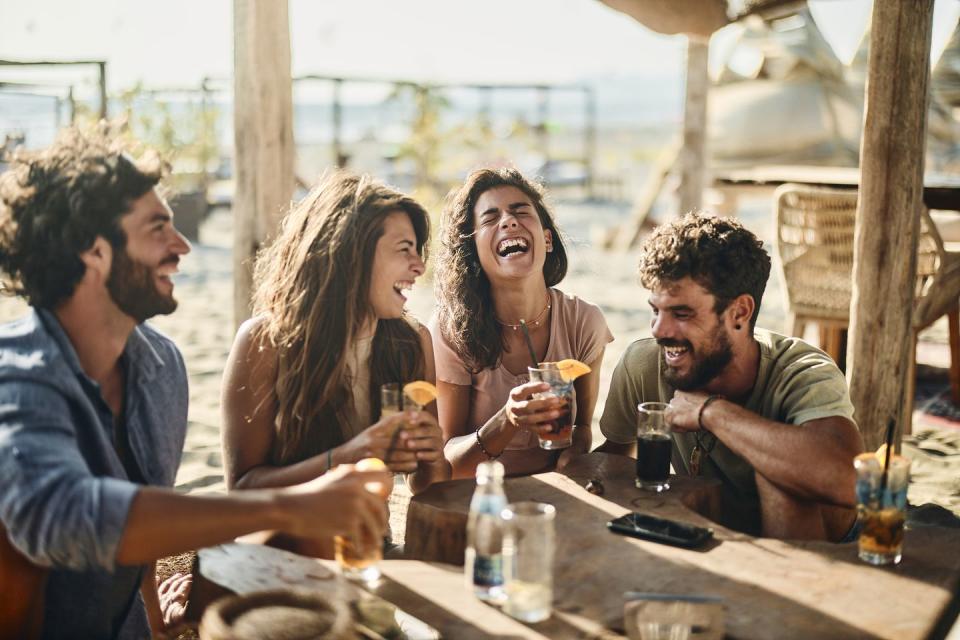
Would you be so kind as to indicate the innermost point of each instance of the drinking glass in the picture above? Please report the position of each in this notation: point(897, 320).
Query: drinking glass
point(560, 435)
point(653, 447)
point(528, 544)
point(881, 514)
point(391, 399)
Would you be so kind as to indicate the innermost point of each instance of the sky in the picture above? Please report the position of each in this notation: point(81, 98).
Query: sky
point(176, 43)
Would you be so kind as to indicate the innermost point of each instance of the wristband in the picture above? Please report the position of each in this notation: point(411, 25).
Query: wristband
point(703, 408)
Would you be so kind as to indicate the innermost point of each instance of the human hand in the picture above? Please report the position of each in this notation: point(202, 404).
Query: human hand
point(174, 593)
point(422, 436)
point(343, 502)
point(567, 455)
point(683, 412)
point(525, 412)
point(383, 440)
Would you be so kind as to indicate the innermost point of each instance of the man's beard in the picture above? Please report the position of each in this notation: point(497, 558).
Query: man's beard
point(705, 367)
point(132, 287)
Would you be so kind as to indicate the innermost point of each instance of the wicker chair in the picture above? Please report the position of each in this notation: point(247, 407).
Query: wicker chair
point(814, 247)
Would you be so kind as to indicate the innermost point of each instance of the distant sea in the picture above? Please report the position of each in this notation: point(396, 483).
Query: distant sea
point(621, 103)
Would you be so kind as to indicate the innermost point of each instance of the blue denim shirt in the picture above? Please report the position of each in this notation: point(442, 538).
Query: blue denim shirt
point(65, 494)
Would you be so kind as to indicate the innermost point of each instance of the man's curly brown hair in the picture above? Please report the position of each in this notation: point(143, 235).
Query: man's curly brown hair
point(55, 202)
point(719, 254)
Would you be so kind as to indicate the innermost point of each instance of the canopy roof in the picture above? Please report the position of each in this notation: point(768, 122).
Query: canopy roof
point(698, 18)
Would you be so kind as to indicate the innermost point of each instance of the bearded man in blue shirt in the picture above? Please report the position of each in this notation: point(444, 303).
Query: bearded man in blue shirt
point(93, 405)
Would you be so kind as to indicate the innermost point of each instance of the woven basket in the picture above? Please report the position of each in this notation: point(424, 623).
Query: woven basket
point(280, 614)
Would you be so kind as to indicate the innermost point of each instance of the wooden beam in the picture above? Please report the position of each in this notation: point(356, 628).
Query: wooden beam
point(263, 134)
point(693, 152)
point(888, 213)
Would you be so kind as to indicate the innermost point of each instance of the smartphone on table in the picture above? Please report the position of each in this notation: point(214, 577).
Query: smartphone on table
point(647, 527)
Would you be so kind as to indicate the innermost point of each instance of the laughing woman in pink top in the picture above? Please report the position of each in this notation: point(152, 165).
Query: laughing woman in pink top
point(500, 257)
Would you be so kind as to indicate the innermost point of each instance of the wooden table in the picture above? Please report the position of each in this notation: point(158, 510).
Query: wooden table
point(940, 190)
point(772, 588)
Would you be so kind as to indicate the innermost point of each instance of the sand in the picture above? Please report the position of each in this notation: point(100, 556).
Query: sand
point(203, 328)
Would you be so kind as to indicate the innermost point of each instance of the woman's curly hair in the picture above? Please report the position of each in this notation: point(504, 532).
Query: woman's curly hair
point(719, 254)
point(465, 313)
point(55, 202)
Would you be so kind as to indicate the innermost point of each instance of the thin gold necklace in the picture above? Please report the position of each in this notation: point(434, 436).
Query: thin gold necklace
point(533, 324)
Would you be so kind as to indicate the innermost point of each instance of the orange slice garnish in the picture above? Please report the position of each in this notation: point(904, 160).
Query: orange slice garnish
point(571, 369)
point(421, 392)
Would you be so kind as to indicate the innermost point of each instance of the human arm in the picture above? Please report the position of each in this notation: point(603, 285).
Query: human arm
point(618, 423)
point(337, 503)
point(58, 514)
point(521, 411)
point(588, 388)
point(151, 599)
point(782, 453)
point(249, 406)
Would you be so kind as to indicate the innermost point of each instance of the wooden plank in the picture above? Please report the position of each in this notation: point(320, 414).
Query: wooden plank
point(693, 155)
point(432, 593)
point(888, 220)
point(263, 134)
point(771, 588)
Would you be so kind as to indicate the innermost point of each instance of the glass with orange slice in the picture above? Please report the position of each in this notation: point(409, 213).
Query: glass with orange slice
point(881, 509)
point(359, 559)
point(560, 376)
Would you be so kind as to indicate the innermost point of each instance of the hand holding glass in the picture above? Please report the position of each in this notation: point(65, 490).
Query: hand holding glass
point(560, 433)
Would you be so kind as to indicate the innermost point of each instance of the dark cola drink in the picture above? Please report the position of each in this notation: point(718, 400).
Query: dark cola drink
point(653, 461)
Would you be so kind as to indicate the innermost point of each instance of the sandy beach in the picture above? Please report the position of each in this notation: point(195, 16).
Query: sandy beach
point(203, 328)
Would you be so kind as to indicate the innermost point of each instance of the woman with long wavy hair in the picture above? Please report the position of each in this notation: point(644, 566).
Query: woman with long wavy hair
point(301, 391)
point(500, 256)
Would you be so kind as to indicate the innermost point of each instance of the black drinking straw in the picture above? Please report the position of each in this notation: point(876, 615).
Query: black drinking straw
point(526, 334)
point(886, 462)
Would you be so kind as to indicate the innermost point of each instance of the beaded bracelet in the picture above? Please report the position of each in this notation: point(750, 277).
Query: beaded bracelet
point(489, 455)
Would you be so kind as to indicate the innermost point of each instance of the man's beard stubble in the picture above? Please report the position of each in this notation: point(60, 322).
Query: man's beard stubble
point(131, 286)
point(705, 367)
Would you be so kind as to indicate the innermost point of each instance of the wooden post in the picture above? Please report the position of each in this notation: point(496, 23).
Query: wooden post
point(104, 108)
point(263, 134)
point(888, 213)
point(693, 153)
point(339, 160)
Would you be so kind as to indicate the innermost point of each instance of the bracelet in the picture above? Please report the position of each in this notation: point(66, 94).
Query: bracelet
point(703, 408)
point(489, 455)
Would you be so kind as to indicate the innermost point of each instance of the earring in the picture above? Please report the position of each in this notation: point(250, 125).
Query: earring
point(737, 327)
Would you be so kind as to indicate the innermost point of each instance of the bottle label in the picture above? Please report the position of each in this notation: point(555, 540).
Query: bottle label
point(488, 570)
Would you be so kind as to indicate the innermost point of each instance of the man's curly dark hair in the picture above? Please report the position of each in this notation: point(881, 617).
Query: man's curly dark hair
point(55, 202)
point(719, 254)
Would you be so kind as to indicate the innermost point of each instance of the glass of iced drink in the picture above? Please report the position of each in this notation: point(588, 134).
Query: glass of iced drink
point(359, 559)
point(560, 435)
point(881, 511)
point(528, 543)
point(653, 447)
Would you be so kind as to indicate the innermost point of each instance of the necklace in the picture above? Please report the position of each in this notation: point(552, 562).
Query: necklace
point(533, 324)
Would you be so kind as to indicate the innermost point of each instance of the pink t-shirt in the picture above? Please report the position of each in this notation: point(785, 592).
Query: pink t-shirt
point(577, 330)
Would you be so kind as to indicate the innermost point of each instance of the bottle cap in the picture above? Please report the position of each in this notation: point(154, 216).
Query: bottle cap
point(491, 469)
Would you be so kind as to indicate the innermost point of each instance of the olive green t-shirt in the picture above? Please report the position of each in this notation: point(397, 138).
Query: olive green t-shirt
point(796, 383)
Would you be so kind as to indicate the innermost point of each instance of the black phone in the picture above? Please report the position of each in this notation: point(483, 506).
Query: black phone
point(640, 525)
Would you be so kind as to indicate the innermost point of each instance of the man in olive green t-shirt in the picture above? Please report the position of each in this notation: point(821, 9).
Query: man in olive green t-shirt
point(767, 415)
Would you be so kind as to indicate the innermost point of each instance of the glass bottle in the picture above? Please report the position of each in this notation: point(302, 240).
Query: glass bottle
point(484, 554)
